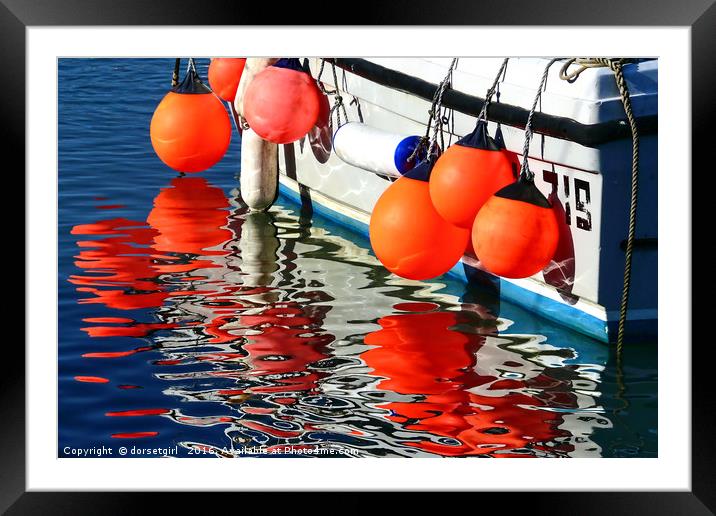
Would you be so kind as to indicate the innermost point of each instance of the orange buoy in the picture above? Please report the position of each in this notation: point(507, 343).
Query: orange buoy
point(516, 233)
point(190, 129)
point(467, 174)
point(408, 236)
point(224, 76)
point(282, 102)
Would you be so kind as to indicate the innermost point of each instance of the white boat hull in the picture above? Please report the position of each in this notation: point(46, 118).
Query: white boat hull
point(581, 289)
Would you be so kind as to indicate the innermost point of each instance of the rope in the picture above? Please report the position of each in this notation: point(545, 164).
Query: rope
point(525, 172)
point(585, 63)
point(338, 104)
point(438, 106)
point(175, 74)
point(191, 66)
point(491, 91)
point(616, 66)
point(435, 120)
point(422, 144)
point(356, 101)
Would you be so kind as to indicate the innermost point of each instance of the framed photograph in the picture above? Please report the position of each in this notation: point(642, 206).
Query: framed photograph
point(399, 240)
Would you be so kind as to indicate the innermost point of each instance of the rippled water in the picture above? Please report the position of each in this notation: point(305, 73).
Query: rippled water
point(192, 327)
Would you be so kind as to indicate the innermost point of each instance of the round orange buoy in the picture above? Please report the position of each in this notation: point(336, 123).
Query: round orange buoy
point(190, 129)
point(516, 233)
point(408, 236)
point(282, 102)
point(467, 174)
point(224, 76)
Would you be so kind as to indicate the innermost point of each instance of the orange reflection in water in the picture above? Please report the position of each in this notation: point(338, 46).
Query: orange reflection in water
point(190, 217)
point(127, 262)
point(185, 265)
point(418, 354)
point(120, 267)
point(135, 266)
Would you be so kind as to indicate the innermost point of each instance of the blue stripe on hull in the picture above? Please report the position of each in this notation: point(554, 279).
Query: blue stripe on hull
point(550, 309)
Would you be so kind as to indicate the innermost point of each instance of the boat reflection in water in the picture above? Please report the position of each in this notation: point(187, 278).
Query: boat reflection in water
point(289, 336)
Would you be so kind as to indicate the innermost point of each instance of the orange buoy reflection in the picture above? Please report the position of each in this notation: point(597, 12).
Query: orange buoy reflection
point(190, 217)
point(418, 354)
point(131, 266)
point(262, 347)
point(125, 260)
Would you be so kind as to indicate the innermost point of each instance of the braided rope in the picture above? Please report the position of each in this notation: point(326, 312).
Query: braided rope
point(438, 106)
point(491, 91)
point(525, 171)
point(175, 73)
point(626, 101)
point(435, 117)
point(338, 105)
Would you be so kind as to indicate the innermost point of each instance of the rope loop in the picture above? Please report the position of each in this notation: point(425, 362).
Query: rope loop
point(585, 63)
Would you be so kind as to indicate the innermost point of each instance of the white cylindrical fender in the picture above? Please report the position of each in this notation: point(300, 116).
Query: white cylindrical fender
point(259, 158)
point(259, 171)
point(374, 149)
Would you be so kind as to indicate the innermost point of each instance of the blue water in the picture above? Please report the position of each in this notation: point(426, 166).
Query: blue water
point(189, 327)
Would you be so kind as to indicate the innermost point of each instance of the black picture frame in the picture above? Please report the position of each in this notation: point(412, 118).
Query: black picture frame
point(700, 15)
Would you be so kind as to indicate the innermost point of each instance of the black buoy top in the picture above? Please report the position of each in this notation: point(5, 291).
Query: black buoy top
point(422, 170)
point(292, 63)
point(479, 138)
point(191, 84)
point(524, 190)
